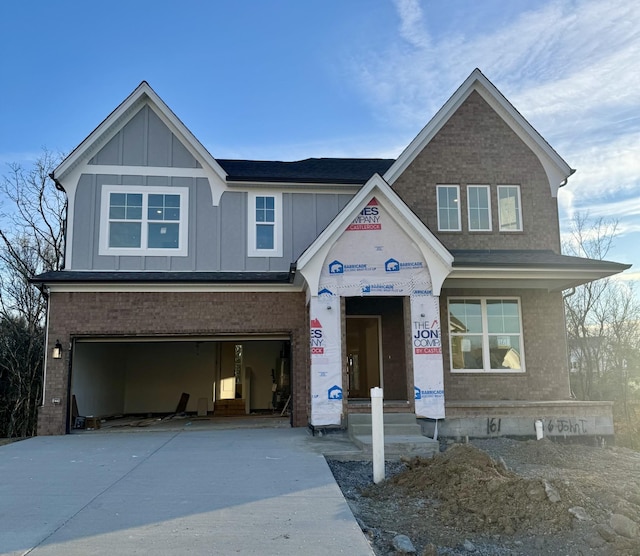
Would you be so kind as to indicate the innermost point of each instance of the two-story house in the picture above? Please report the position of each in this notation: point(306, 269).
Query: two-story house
point(261, 286)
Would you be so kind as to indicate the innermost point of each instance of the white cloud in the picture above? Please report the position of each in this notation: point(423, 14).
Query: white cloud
point(412, 27)
point(571, 67)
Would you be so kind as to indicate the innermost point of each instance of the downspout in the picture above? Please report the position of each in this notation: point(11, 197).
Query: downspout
point(72, 346)
point(45, 293)
point(568, 355)
point(59, 187)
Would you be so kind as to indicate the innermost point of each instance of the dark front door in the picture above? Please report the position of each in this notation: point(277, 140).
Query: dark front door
point(363, 355)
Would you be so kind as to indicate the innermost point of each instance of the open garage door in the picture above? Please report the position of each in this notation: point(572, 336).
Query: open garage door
point(132, 376)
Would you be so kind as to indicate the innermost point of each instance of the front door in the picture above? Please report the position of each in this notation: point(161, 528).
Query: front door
point(363, 355)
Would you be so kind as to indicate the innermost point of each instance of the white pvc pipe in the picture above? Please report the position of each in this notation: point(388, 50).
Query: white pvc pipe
point(539, 429)
point(377, 434)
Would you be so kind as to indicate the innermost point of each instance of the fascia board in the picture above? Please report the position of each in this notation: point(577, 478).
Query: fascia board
point(295, 187)
point(309, 264)
point(556, 168)
point(506, 273)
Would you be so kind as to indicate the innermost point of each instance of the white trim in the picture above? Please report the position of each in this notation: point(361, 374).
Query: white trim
point(252, 249)
point(556, 168)
point(486, 356)
point(443, 186)
point(163, 171)
point(143, 251)
point(295, 187)
point(143, 94)
point(519, 209)
point(487, 188)
point(436, 255)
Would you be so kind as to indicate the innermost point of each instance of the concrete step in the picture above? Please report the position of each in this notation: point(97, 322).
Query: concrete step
point(389, 429)
point(389, 418)
point(409, 445)
point(402, 435)
point(395, 424)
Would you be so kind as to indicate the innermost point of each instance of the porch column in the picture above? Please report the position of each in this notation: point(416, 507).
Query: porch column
point(426, 347)
point(326, 360)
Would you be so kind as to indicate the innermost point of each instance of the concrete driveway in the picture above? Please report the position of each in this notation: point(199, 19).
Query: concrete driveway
point(240, 491)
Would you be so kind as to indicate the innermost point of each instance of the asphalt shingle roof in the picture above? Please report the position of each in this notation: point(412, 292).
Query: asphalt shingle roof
point(521, 258)
point(310, 170)
point(502, 258)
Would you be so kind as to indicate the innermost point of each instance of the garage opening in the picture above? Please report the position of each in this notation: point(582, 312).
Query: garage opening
point(208, 377)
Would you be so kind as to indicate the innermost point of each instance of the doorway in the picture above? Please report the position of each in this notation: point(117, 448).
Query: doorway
point(375, 332)
point(364, 355)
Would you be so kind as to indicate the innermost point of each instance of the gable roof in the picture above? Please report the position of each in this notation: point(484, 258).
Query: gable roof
point(556, 168)
point(143, 94)
point(439, 260)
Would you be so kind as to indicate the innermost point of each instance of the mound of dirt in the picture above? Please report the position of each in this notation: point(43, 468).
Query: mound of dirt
point(474, 492)
point(534, 497)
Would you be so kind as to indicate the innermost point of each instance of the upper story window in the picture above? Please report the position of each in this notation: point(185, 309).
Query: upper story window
point(265, 225)
point(479, 208)
point(144, 221)
point(448, 208)
point(485, 334)
point(509, 209)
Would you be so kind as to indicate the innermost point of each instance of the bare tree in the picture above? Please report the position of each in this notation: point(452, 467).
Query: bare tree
point(602, 320)
point(31, 242)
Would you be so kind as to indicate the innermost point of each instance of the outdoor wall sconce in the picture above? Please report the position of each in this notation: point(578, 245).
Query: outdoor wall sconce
point(57, 350)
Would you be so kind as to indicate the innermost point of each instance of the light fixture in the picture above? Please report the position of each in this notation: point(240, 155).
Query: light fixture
point(57, 350)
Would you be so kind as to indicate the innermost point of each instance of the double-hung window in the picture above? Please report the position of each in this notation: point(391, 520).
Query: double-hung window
point(479, 208)
point(448, 208)
point(485, 334)
point(265, 225)
point(144, 221)
point(509, 210)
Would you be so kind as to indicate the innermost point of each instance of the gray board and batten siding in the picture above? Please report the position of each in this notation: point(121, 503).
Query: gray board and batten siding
point(217, 235)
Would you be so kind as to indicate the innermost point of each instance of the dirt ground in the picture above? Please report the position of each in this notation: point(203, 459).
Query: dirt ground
point(502, 497)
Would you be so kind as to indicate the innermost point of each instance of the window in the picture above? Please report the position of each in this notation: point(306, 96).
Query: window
point(265, 225)
point(448, 208)
point(485, 334)
point(509, 208)
point(479, 207)
point(139, 222)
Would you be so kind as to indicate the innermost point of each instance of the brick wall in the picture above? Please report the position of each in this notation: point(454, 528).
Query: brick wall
point(476, 147)
point(546, 375)
point(169, 314)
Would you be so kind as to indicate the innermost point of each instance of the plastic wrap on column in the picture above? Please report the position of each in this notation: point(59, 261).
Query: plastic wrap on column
point(427, 355)
point(326, 357)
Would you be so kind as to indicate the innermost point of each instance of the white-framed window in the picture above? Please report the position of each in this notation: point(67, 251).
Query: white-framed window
point(265, 225)
point(509, 208)
point(479, 208)
point(448, 197)
point(485, 334)
point(144, 221)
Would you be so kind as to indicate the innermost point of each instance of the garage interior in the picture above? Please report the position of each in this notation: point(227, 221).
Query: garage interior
point(208, 377)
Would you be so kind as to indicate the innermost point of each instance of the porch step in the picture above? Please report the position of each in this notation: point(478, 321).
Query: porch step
point(402, 435)
point(228, 408)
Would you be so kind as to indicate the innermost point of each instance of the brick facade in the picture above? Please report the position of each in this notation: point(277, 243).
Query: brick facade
point(128, 314)
point(476, 147)
point(546, 375)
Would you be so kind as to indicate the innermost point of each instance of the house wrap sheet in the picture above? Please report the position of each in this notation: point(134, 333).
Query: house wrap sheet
point(374, 257)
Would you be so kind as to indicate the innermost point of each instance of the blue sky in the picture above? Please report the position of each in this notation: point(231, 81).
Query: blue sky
point(291, 79)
